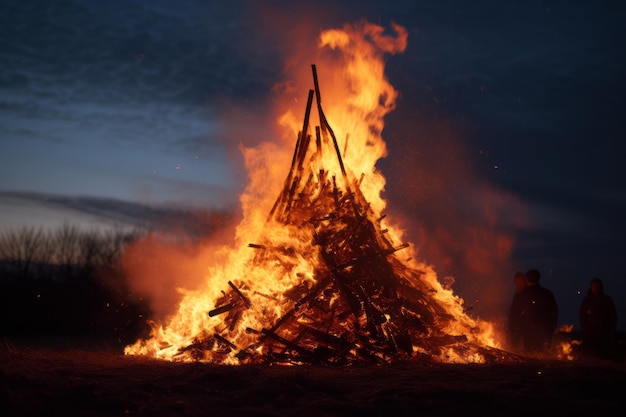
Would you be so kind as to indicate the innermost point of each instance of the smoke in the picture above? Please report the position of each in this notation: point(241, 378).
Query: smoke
point(161, 267)
point(457, 218)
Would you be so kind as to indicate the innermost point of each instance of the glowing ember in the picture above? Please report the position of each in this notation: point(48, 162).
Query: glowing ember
point(320, 275)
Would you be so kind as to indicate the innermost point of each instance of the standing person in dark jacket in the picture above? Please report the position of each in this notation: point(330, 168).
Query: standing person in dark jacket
point(540, 313)
point(598, 321)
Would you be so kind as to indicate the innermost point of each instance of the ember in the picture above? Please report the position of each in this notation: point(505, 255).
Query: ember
point(342, 292)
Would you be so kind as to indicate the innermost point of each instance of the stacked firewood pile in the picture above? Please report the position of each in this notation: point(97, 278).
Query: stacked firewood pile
point(365, 305)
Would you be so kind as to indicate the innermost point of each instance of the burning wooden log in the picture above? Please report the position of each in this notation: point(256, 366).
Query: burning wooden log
point(225, 341)
point(305, 354)
point(243, 297)
point(223, 309)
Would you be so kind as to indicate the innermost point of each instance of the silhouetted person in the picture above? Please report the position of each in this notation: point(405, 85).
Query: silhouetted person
point(539, 314)
point(598, 321)
point(519, 281)
point(516, 313)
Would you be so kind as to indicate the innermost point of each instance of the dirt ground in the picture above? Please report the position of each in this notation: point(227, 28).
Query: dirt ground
point(67, 382)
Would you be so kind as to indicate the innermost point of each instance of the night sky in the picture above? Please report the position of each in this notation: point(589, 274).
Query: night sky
point(509, 125)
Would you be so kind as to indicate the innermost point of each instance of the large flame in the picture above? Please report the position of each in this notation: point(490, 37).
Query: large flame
point(356, 98)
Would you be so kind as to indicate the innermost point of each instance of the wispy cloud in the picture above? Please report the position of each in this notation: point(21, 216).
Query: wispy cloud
point(107, 212)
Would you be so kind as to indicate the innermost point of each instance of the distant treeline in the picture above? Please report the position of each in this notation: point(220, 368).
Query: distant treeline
point(36, 253)
point(67, 284)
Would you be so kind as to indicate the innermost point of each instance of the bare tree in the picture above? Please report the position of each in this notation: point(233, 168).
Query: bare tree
point(88, 247)
point(23, 247)
point(66, 241)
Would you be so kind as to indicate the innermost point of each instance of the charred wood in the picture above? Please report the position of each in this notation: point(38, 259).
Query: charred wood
point(224, 341)
point(293, 346)
point(305, 129)
point(223, 309)
point(239, 293)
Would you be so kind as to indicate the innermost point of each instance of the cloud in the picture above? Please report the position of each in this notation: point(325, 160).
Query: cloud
point(108, 212)
point(133, 50)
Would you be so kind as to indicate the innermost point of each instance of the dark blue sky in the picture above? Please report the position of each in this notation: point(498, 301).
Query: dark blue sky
point(108, 109)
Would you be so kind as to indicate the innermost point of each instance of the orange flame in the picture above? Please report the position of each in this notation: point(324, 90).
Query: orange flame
point(359, 96)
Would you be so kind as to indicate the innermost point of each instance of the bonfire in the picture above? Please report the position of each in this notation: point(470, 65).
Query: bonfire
point(326, 280)
point(361, 302)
